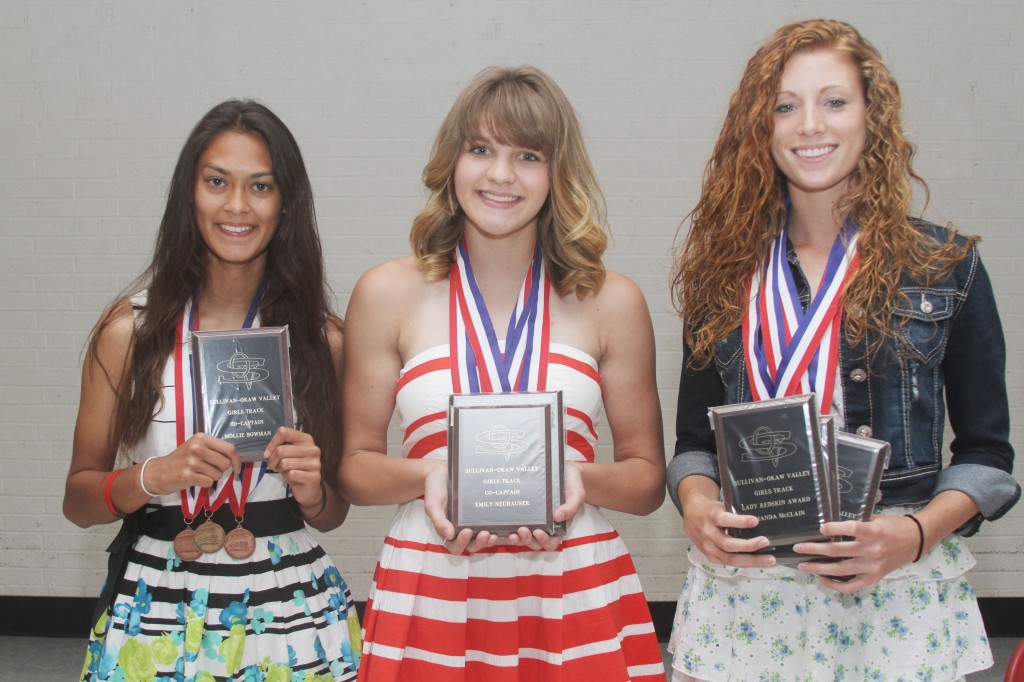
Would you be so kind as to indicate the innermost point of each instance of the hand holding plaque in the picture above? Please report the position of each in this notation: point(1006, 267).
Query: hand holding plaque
point(791, 469)
point(771, 466)
point(506, 461)
point(243, 386)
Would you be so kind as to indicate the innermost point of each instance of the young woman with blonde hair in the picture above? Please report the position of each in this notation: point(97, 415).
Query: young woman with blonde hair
point(514, 210)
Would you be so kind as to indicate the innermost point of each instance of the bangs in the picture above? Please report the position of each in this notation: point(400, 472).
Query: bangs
point(511, 114)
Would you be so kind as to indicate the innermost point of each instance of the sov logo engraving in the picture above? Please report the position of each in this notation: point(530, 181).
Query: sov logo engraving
point(500, 440)
point(241, 369)
point(845, 480)
point(765, 444)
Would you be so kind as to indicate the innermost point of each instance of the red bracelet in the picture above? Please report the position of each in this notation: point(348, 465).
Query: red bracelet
point(106, 492)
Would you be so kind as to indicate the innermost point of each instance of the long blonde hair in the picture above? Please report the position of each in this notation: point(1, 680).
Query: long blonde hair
point(523, 107)
point(741, 208)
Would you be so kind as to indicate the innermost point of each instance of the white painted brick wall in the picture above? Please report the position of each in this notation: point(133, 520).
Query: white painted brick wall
point(98, 95)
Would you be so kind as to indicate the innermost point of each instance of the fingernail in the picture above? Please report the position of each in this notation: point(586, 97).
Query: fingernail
point(266, 454)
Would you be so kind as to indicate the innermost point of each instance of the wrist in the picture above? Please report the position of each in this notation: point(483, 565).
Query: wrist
point(319, 506)
point(920, 535)
point(108, 492)
point(142, 478)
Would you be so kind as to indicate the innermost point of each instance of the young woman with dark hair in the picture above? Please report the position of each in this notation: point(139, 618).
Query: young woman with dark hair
point(238, 246)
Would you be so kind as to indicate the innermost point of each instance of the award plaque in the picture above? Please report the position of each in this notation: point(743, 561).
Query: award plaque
point(861, 463)
point(828, 452)
point(771, 466)
point(243, 386)
point(506, 461)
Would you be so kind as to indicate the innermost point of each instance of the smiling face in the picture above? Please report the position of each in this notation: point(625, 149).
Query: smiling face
point(237, 202)
point(501, 189)
point(820, 120)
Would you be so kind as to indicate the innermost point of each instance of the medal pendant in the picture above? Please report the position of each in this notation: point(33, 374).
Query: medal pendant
point(185, 545)
point(240, 543)
point(209, 537)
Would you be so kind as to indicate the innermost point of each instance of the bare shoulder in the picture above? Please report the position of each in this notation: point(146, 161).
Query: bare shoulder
point(108, 355)
point(120, 317)
point(393, 280)
point(620, 296)
point(622, 319)
point(388, 304)
point(115, 331)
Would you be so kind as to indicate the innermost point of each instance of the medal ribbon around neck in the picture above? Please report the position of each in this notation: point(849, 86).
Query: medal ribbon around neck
point(194, 499)
point(789, 350)
point(481, 366)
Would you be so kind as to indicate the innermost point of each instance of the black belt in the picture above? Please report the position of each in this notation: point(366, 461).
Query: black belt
point(262, 519)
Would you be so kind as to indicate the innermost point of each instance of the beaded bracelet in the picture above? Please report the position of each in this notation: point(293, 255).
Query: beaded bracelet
point(107, 495)
point(920, 533)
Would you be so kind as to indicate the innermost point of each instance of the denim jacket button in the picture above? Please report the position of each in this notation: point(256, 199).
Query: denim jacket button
point(865, 431)
point(858, 375)
point(926, 307)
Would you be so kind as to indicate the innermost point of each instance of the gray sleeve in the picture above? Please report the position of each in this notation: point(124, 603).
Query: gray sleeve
point(993, 490)
point(696, 462)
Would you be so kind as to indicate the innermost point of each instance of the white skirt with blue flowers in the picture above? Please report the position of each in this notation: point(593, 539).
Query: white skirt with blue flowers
point(282, 614)
point(920, 623)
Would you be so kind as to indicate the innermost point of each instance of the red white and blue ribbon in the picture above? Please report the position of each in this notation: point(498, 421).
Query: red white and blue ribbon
point(482, 365)
point(194, 499)
point(790, 350)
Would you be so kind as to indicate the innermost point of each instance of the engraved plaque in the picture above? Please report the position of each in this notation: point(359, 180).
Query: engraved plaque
point(506, 460)
point(771, 466)
point(828, 453)
point(861, 463)
point(243, 386)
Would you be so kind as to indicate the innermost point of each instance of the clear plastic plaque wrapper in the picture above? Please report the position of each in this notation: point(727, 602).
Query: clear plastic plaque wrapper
point(243, 386)
point(771, 464)
point(861, 463)
point(506, 460)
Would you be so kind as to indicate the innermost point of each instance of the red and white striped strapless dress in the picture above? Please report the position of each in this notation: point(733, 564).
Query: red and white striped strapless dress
point(505, 613)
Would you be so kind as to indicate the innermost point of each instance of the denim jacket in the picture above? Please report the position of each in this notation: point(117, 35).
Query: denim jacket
point(947, 343)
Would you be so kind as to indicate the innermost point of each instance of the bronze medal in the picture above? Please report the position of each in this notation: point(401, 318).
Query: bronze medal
point(185, 545)
point(209, 537)
point(240, 543)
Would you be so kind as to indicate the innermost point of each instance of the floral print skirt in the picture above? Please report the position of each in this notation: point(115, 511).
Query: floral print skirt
point(282, 615)
point(920, 623)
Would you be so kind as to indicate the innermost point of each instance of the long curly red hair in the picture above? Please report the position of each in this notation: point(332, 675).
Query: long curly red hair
point(741, 208)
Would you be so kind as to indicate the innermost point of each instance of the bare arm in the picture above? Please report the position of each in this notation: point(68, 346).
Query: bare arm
point(635, 482)
point(373, 360)
point(93, 451)
point(298, 459)
point(705, 519)
point(200, 460)
point(886, 542)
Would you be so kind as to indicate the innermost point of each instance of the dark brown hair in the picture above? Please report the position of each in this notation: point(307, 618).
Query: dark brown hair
point(297, 294)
